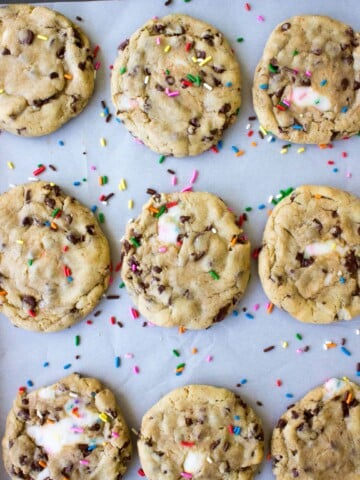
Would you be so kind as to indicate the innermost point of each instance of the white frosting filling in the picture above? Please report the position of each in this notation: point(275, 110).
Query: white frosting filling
point(193, 462)
point(307, 97)
point(169, 225)
point(323, 248)
point(47, 393)
point(43, 474)
point(332, 386)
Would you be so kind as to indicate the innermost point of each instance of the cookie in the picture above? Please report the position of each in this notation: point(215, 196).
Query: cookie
point(72, 429)
point(200, 432)
point(185, 261)
point(176, 85)
point(54, 258)
point(47, 75)
point(306, 83)
point(309, 264)
point(319, 437)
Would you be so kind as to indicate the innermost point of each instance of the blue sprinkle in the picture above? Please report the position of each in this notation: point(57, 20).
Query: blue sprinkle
point(106, 111)
point(118, 120)
point(29, 383)
point(235, 149)
point(228, 84)
point(358, 374)
point(344, 109)
point(297, 127)
point(46, 364)
point(117, 362)
point(235, 313)
point(61, 143)
point(346, 351)
point(220, 144)
point(236, 417)
point(69, 279)
point(249, 315)
point(264, 86)
point(91, 448)
point(261, 207)
point(342, 280)
point(323, 83)
point(93, 208)
point(243, 381)
point(335, 170)
point(76, 184)
point(236, 430)
point(47, 223)
point(178, 374)
point(68, 365)
point(289, 395)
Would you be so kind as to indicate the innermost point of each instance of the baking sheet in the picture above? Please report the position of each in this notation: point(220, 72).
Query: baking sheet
point(235, 345)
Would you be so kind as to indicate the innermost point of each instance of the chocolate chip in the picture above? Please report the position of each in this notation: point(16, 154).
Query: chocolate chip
point(226, 446)
point(161, 288)
point(345, 409)
point(285, 26)
point(294, 472)
point(157, 269)
point(216, 81)
point(6, 51)
point(225, 108)
point(294, 414)
point(27, 221)
point(188, 422)
point(167, 3)
point(26, 37)
point(197, 256)
point(159, 28)
point(124, 44)
point(209, 39)
point(221, 314)
point(336, 231)
point(348, 59)
point(94, 428)
point(194, 122)
point(304, 262)
point(54, 75)
point(200, 54)
point(82, 65)
point(74, 238)
point(29, 300)
point(218, 69)
point(356, 85)
point(214, 444)
point(24, 414)
point(352, 262)
point(50, 202)
point(305, 81)
point(159, 87)
point(61, 52)
point(344, 83)
point(184, 218)
point(281, 424)
point(78, 40)
point(27, 196)
point(90, 229)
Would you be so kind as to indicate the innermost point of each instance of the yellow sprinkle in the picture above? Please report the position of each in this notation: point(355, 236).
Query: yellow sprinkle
point(262, 130)
point(346, 379)
point(10, 165)
point(205, 61)
point(2, 90)
point(122, 184)
point(130, 204)
point(283, 150)
point(194, 59)
point(285, 344)
point(42, 37)
point(301, 150)
point(167, 48)
point(20, 241)
point(68, 76)
point(103, 417)
point(102, 114)
point(102, 142)
point(253, 144)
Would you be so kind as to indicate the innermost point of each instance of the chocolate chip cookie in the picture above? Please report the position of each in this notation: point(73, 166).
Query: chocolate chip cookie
point(176, 85)
point(185, 260)
point(47, 75)
point(202, 432)
point(309, 264)
point(319, 436)
point(306, 83)
point(54, 258)
point(72, 429)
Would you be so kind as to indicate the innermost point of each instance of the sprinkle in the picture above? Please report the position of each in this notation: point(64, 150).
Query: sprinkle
point(289, 395)
point(2, 91)
point(297, 127)
point(29, 383)
point(301, 150)
point(130, 204)
point(269, 307)
point(77, 340)
point(247, 7)
point(136, 369)
point(102, 142)
point(122, 184)
point(135, 242)
point(240, 39)
point(84, 462)
point(268, 349)
point(323, 83)
point(214, 275)
point(298, 336)
point(249, 316)
point(260, 18)
point(103, 417)
point(243, 382)
point(209, 358)
point(345, 351)
point(261, 207)
point(68, 76)
point(10, 165)
point(278, 383)
point(162, 249)
point(67, 366)
point(194, 176)
point(186, 475)
point(158, 40)
point(117, 362)
point(207, 86)
point(264, 86)
point(41, 37)
point(205, 61)
point(187, 444)
point(308, 73)
point(39, 170)
point(167, 48)
point(344, 109)
point(122, 70)
point(176, 353)
point(162, 158)
point(134, 313)
point(46, 364)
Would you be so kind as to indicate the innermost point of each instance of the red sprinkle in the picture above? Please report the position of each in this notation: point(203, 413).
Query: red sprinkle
point(247, 7)
point(96, 51)
point(214, 149)
point(188, 46)
point(187, 83)
point(250, 133)
point(255, 253)
point(118, 267)
point(31, 313)
point(113, 320)
point(22, 390)
point(187, 444)
point(230, 428)
point(89, 322)
point(141, 472)
point(171, 204)
point(330, 162)
point(39, 170)
point(344, 154)
point(65, 248)
point(278, 383)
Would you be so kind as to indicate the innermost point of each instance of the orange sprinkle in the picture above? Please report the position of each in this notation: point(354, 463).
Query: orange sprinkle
point(331, 345)
point(181, 330)
point(153, 209)
point(48, 420)
point(3, 292)
point(270, 308)
point(268, 457)
point(194, 350)
point(74, 411)
point(269, 212)
point(53, 226)
point(240, 152)
point(323, 145)
point(42, 463)
point(349, 398)
point(68, 76)
point(317, 196)
point(233, 241)
point(253, 144)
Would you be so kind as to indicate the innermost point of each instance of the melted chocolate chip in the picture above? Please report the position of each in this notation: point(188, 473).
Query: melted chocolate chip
point(27, 221)
point(294, 472)
point(6, 51)
point(214, 444)
point(157, 269)
point(225, 108)
point(194, 122)
point(304, 262)
point(285, 26)
point(61, 52)
point(197, 256)
point(344, 83)
point(281, 424)
point(336, 231)
point(218, 69)
point(184, 218)
point(159, 87)
point(124, 44)
point(54, 75)
point(29, 300)
point(356, 85)
point(24, 414)
point(352, 262)
point(221, 313)
point(200, 54)
point(26, 37)
point(74, 238)
point(82, 65)
point(345, 409)
point(188, 422)
point(90, 229)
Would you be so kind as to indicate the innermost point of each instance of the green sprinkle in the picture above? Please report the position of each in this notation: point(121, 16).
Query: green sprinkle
point(198, 81)
point(298, 336)
point(240, 39)
point(187, 1)
point(295, 52)
point(162, 158)
point(135, 242)
point(273, 68)
point(176, 353)
point(122, 70)
point(55, 212)
point(317, 102)
point(214, 275)
point(181, 365)
point(248, 209)
point(104, 179)
point(191, 78)
point(167, 72)
point(122, 285)
point(161, 211)
point(30, 262)
point(77, 340)
point(101, 218)
point(237, 111)
point(84, 179)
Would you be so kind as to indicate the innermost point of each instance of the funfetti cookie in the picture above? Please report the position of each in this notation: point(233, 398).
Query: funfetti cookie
point(185, 260)
point(54, 258)
point(319, 436)
point(46, 70)
point(72, 429)
point(306, 85)
point(309, 264)
point(176, 85)
point(201, 432)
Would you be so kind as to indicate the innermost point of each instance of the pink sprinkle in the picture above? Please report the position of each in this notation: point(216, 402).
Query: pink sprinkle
point(150, 324)
point(158, 41)
point(308, 73)
point(133, 267)
point(84, 462)
point(194, 176)
point(134, 313)
point(348, 175)
point(302, 96)
point(93, 167)
point(256, 306)
point(162, 249)
point(286, 102)
point(186, 474)
point(129, 355)
point(299, 350)
point(97, 65)
point(209, 358)
point(136, 369)
point(174, 94)
point(174, 180)
point(187, 189)
point(114, 434)
point(137, 140)
point(77, 429)
point(260, 18)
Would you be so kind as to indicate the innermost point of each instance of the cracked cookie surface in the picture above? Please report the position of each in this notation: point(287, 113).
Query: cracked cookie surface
point(47, 75)
point(72, 429)
point(201, 432)
point(309, 264)
point(176, 85)
point(185, 260)
point(307, 83)
point(319, 437)
point(54, 258)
